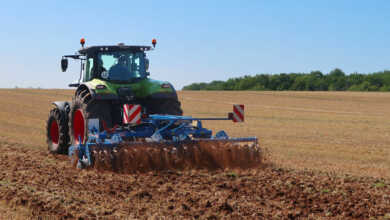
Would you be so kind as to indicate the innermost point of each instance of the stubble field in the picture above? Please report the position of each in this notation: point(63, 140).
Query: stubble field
point(328, 156)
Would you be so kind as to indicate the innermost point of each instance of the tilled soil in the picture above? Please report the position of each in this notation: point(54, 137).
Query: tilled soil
point(49, 186)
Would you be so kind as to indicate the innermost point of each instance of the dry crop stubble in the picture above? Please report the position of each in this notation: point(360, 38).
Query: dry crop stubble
point(23, 114)
point(343, 132)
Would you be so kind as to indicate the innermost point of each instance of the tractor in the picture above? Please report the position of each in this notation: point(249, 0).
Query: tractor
point(110, 76)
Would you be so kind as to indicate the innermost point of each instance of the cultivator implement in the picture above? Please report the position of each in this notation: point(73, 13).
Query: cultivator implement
point(164, 142)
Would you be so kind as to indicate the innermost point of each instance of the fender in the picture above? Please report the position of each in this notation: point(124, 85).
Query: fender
point(94, 95)
point(85, 86)
point(165, 95)
point(63, 106)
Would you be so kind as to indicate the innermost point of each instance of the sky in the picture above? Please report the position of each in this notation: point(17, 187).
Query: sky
point(197, 41)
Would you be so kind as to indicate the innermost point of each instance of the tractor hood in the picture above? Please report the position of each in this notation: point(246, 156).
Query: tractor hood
point(140, 89)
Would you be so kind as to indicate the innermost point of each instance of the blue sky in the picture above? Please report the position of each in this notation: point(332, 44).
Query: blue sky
point(196, 40)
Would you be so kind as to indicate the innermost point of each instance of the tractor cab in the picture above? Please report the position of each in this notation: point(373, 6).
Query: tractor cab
point(113, 63)
point(118, 64)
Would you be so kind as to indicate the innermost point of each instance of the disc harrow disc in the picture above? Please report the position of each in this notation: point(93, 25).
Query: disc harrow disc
point(143, 157)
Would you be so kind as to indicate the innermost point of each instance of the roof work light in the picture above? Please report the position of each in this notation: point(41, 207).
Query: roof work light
point(154, 42)
point(82, 42)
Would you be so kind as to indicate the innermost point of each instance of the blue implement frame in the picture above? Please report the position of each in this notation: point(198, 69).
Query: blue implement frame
point(155, 128)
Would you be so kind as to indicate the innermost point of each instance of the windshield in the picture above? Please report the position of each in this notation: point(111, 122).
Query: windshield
point(119, 66)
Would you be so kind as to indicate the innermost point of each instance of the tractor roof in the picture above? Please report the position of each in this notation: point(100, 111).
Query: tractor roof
point(113, 48)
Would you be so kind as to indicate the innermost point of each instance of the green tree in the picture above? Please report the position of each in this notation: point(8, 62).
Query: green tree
point(314, 81)
point(337, 81)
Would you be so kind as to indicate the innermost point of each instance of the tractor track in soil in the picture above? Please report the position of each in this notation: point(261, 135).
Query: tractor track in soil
point(47, 185)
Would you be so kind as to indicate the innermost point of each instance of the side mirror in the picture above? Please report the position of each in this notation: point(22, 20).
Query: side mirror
point(64, 64)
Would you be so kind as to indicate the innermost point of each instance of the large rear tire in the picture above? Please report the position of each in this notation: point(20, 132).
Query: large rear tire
point(57, 137)
point(80, 112)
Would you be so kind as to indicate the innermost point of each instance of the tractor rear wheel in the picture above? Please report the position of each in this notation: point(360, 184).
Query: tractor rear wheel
point(79, 114)
point(57, 137)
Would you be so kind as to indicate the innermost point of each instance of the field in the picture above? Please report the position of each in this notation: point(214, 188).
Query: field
point(327, 156)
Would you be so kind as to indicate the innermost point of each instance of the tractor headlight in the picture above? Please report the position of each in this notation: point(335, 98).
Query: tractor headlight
point(101, 87)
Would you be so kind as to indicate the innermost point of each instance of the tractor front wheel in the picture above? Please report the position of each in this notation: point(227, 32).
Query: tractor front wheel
point(57, 137)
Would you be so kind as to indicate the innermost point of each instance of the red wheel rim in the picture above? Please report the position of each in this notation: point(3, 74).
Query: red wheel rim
point(78, 126)
point(54, 133)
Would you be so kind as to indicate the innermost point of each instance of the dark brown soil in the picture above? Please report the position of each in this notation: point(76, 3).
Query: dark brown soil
point(48, 185)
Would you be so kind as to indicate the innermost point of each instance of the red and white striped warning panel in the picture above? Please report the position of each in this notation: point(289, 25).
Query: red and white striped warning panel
point(238, 113)
point(131, 114)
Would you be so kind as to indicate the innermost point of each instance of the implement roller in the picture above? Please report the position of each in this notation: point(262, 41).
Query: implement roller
point(160, 142)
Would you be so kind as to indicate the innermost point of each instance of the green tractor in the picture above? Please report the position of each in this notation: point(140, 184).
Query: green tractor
point(110, 76)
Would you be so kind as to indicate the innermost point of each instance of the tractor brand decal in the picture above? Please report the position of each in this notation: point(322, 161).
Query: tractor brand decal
point(238, 113)
point(131, 114)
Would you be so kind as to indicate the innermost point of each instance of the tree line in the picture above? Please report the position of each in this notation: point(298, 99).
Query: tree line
point(336, 80)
